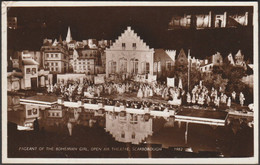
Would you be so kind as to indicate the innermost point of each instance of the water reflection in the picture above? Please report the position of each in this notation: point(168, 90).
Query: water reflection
point(135, 129)
point(128, 128)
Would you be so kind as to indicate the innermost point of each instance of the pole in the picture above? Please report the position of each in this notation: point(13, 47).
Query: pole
point(189, 70)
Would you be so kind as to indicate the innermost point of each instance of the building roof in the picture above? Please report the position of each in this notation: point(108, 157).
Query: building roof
point(161, 54)
point(29, 62)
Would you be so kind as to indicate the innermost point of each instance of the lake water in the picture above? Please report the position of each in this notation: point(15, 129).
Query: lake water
point(84, 133)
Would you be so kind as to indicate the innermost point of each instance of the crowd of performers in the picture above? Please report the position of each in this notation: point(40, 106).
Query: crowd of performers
point(199, 95)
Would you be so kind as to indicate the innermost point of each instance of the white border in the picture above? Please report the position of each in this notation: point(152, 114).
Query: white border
point(135, 160)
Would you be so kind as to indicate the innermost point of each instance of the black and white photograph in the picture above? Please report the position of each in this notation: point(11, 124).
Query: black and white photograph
point(120, 82)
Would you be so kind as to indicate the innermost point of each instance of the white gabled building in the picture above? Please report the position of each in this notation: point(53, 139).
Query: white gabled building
point(129, 55)
point(208, 64)
point(30, 72)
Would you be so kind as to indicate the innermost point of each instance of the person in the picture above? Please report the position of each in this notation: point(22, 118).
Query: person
point(241, 99)
point(217, 101)
point(36, 125)
point(151, 92)
point(140, 93)
point(229, 102)
point(193, 99)
point(234, 95)
point(188, 98)
point(208, 100)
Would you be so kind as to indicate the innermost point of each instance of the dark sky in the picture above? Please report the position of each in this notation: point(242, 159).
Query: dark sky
point(150, 23)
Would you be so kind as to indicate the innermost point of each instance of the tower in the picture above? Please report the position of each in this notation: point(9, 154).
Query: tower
point(68, 38)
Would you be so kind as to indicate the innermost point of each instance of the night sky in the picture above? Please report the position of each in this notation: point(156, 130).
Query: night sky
point(150, 23)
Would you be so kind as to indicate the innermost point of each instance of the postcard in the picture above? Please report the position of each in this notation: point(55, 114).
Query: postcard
point(130, 82)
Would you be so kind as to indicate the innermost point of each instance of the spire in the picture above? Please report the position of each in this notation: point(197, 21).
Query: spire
point(68, 38)
point(60, 40)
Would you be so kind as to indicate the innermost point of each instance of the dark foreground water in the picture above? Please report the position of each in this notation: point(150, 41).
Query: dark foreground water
point(82, 133)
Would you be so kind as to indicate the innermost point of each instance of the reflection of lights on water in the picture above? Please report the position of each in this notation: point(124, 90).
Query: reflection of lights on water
point(28, 124)
point(189, 149)
point(24, 128)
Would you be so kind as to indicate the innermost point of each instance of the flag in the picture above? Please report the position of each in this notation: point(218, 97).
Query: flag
point(180, 84)
point(151, 78)
point(170, 82)
point(99, 80)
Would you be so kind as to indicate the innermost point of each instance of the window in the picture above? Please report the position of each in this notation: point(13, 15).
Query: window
point(88, 67)
point(34, 111)
point(84, 67)
point(123, 65)
point(47, 55)
point(122, 135)
point(114, 67)
point(29, 112)
point(147, 68)
point(52, 64)
point(57, 68)
point(134, 45)
point(123, 45)
point(56, 55)
point(56, 64)
point(51, 55)
point(134, 66)
point(155, 68)
point(28, 71)
point(133, 135)
point(52, 69)
point(33, 70)
point(168, 65)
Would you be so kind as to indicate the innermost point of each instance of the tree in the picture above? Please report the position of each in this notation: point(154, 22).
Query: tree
point(181, 71)
point(214, 80)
